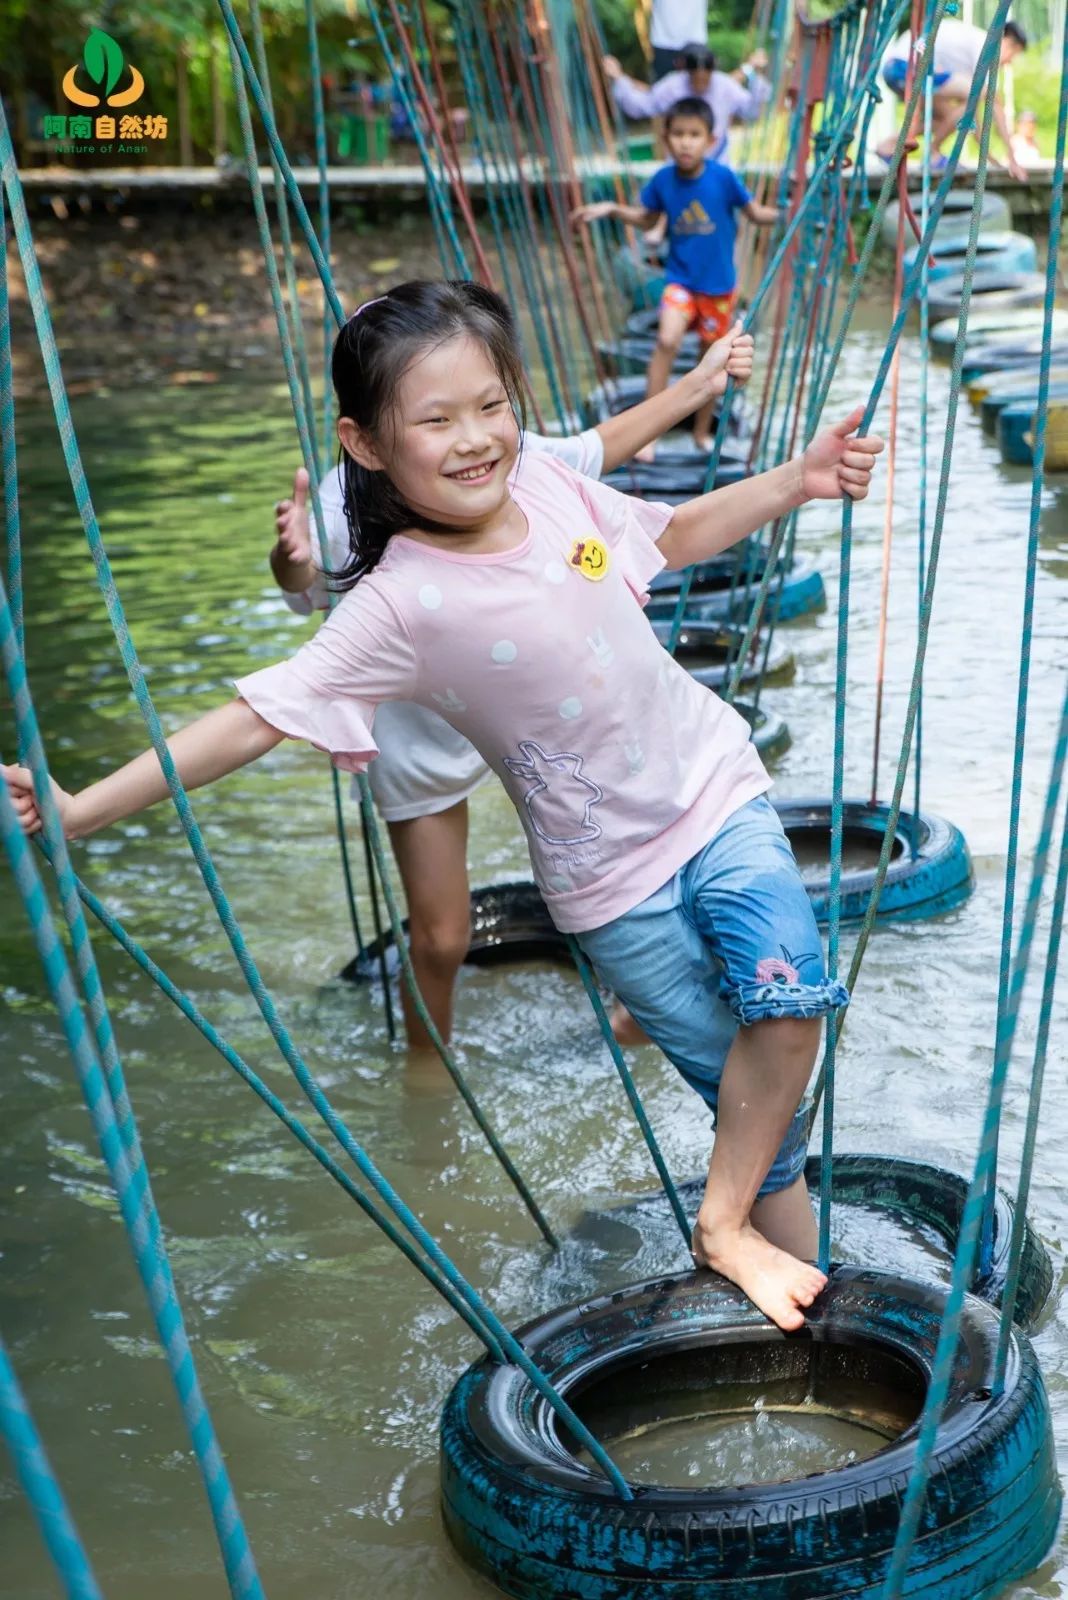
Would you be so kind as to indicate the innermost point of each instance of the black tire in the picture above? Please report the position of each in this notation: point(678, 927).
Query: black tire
point(675, 481)
point(955, 218)
point(934, 880)
point(769, 732)
point(799, 592)
point(925, 1197)
point(525, 1510)
point(619, 394)
point(509, 922)
point(991, 291)
point(708, 648)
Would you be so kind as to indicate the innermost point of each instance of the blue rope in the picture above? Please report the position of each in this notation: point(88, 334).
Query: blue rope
point(1031, 569)
point(12, 531)
point(112, 1115)
point(631, 1091)
point(1038, 1066)
point(41, 1488)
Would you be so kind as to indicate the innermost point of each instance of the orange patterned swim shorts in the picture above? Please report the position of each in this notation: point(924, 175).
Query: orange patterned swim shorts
point(710, 314)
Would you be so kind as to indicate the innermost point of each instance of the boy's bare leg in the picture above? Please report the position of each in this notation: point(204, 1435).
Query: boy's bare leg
point(625, 1028)
point(702, 426)
point(673, 325)
point(766, 1073)
point(431, 855)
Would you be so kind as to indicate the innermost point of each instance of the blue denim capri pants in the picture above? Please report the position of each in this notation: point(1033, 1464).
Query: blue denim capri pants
point(729, 940)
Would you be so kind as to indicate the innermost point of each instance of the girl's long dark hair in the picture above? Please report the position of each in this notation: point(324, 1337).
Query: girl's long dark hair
point(371, 353)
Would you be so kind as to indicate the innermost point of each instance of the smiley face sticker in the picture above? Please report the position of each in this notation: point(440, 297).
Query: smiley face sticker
point(590, 557)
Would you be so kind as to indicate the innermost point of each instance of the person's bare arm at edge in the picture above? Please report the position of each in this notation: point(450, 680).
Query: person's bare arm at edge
point(220, 742)
point(630, 430)
point(834, 465)
point(594, 210)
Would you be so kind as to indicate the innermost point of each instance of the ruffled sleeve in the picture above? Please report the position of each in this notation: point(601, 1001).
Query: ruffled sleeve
point(630, 527)
point(327, 693)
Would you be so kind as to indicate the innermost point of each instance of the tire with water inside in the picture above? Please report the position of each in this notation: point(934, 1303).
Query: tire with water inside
point(925, 882)
point(525, 1509)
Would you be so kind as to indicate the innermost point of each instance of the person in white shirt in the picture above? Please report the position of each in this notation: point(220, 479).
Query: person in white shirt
point(730, 96)
point(958, 46)
point(426, 771)
point(673, 24)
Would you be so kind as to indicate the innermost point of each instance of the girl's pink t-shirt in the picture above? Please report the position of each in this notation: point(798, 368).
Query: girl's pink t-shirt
point(621, 766)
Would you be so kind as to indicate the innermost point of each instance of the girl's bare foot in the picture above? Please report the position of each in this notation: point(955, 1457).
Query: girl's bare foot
point(704, 443)
point(778, 1284)
point(624, 1027)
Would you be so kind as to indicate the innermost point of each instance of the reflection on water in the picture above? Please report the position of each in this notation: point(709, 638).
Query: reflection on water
point(325, 1359)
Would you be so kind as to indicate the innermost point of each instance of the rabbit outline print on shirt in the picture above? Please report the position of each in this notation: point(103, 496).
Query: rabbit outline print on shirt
point(560, 798)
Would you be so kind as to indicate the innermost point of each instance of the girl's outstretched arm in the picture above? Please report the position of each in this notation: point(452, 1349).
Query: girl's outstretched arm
point(834, 465)
point(227, 738)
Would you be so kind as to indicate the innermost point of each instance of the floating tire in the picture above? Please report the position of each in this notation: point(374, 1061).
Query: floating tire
point(956, 215)
point(993, 294)
point(925, 1198)
point(676, 481)
point(933, 880)
point(994, 322)
point(1003, 356)
point(994, 253)
point(523, 1507)
point(1024, 393)
point(723, 597)
point(708, 650)
point(629, 355)
point(615, 395)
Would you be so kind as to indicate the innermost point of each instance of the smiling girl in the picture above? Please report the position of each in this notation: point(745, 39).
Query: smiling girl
point(506, 592)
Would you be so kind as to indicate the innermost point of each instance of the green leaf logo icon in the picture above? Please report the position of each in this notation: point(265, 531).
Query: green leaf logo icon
point(103, 59)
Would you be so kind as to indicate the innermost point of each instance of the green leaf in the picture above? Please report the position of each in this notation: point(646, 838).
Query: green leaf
point(103, 59)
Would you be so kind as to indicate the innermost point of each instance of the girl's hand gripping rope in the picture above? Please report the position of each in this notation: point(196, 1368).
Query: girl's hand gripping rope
point(836, 464)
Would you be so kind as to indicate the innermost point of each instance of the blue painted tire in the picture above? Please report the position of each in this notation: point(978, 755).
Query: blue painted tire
point(935, 880)
point(956, 215)
point(926, 1198)
point(1014, 428)
point(523, 1509)
point(720, 596)
point(1024, 395)
point(995, 253)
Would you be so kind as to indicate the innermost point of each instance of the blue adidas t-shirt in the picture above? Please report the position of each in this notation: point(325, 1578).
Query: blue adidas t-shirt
point(701, 224)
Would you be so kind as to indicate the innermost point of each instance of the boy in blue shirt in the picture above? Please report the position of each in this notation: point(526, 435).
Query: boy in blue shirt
point(701, 199)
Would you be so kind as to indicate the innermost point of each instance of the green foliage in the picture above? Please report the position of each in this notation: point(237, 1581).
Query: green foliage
point(731, 45)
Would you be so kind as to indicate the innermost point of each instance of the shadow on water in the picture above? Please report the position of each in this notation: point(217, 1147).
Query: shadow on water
point(325, 1359)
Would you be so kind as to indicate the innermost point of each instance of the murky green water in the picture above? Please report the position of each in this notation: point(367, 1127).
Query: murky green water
point(324, 1357)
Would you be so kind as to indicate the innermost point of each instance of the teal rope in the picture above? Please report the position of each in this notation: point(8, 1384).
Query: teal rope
point(12, 529)
point(298, 384)
point(186, 1006)
point(322, 159)
point(431, 1027)
point(825, 1083)
point(1038, 1066)
point(41, 1488)
point(113, 1121)
point(370, 825)
point(631, 1090)
point(263, 998)
point(282, 208)
point(966, 1254)
point(1031, 568)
